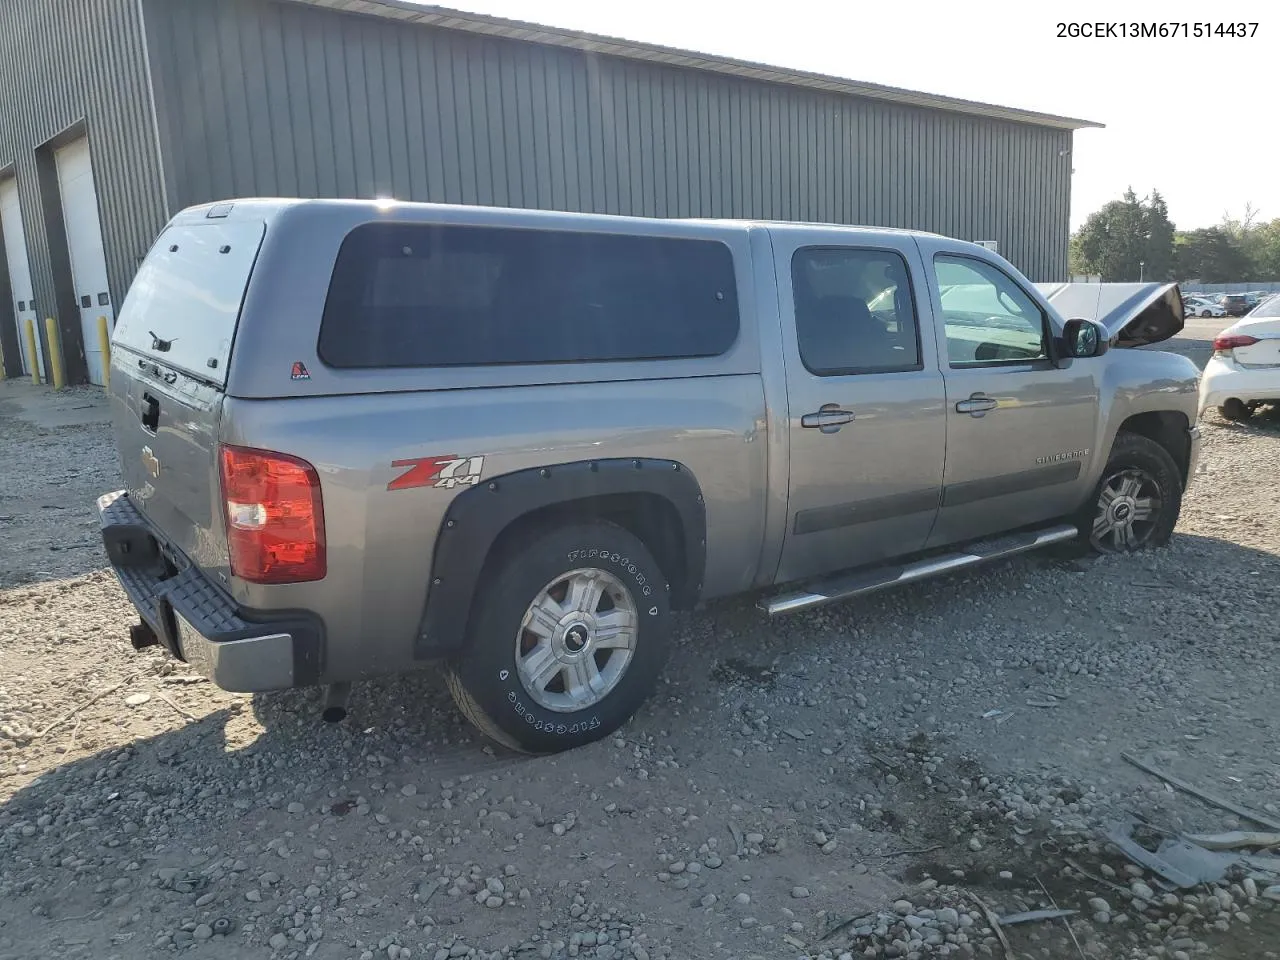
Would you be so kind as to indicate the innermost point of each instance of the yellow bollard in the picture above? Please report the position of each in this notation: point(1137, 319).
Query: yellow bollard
point(55, 354)
point(104, 344)
point(29, 328)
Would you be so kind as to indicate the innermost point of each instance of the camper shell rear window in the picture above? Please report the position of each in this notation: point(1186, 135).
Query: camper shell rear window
point(184, 303)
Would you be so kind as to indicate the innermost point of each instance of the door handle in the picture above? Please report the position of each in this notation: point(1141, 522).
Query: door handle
point(829, 419)
point(977, 405)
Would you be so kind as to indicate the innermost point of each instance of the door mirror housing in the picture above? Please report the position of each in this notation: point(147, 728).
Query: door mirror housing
point(1082, 339)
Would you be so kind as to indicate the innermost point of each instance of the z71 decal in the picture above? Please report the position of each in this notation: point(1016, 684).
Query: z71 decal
point(444, 472)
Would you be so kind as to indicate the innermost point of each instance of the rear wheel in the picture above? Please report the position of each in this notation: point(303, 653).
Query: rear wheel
point(1235, 409)
point(566, 640)
point(1137, 500)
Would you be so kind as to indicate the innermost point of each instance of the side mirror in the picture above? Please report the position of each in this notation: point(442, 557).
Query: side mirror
point(1082, 339)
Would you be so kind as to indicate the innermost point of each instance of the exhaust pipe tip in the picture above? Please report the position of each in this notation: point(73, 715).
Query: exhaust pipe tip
point(335, 703)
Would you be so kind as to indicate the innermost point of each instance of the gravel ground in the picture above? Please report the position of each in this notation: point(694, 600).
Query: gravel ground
point(856, 796)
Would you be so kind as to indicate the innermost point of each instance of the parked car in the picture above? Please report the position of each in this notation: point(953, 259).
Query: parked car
point(1196, 307)
point(1244, 371)
point(360, 438)
point(1236, 304)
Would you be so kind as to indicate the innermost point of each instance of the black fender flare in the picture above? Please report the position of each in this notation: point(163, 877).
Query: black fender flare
point(478, 517)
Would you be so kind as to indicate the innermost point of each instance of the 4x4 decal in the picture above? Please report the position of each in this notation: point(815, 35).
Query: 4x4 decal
point(445, 472)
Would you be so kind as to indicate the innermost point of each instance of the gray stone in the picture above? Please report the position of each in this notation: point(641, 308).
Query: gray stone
point(799, 893)
point(1098, 905)
point(948, 916)
point(745, 898)
point(278, 941)
point(1144, 892)
point(202, 931)
point(903, 908)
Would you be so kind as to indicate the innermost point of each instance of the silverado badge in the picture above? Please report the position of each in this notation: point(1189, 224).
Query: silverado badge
point(1065, 455)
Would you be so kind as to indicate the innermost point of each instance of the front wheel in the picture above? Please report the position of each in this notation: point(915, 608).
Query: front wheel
point(566, 640)
point(1137, 501)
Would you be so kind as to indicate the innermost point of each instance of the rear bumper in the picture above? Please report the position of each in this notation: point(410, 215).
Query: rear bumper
point(1225, 379)
point(239, 650)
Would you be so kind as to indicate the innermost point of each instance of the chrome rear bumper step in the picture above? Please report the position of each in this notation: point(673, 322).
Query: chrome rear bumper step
point(865, 581)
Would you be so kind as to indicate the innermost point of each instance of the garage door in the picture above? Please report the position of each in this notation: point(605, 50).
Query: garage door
point(84, 243)
point(15, 250)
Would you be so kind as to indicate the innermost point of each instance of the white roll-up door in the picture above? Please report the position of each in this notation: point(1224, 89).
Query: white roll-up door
point(15, 250)
point(84, 243)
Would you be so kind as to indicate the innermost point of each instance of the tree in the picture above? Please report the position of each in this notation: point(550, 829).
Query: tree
point(1160, 239)
point(1211, 255)
point(1266, 251)
point(1128, 239)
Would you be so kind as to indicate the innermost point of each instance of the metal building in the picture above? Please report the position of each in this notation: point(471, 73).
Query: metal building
point(115, 114)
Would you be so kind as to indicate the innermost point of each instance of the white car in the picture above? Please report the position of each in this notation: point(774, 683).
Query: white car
point(1199, 307)
point(1244, 371)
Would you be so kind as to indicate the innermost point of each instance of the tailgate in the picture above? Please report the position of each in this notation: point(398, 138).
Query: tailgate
point(170, 354)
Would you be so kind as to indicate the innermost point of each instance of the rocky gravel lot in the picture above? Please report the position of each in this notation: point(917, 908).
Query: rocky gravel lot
point(880, 778)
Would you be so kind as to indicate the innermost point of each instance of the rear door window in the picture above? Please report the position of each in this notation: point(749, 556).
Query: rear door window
point(420, 295)
point(855, 312)
point(184, 303)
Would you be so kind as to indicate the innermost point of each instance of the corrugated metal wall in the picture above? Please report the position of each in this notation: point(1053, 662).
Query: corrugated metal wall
point(63, 62)
point(262, 98)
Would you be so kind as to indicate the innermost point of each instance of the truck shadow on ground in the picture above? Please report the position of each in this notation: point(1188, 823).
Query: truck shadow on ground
point(768, 690)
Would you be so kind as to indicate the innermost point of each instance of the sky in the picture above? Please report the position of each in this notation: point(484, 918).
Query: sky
point(1193, 118)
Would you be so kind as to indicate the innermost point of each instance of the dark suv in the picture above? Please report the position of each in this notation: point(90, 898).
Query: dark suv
point(1236, 304)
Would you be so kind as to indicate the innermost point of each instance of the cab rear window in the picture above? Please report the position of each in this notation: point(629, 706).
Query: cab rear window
point(424, 295)
point(184, 303)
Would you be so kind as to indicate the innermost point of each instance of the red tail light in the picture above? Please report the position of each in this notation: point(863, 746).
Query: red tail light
point(275, 518)
point(1228, 342)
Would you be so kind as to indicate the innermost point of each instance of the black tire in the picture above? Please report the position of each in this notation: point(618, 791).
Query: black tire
point(484, 678)
point(1235, 409)
point(1205, 314)
point(1134, 457)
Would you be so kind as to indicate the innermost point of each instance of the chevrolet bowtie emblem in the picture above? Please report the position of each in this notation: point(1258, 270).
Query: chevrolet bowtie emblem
point(151, 462)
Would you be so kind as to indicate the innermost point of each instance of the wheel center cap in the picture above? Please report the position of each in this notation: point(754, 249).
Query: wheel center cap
point(1123, 511)
point(576, 638)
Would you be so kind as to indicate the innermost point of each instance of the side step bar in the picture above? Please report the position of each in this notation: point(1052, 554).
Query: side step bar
point(847, 585)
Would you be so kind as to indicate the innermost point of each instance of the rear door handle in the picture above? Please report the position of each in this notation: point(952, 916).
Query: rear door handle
point(829, 419)
point(977, 405)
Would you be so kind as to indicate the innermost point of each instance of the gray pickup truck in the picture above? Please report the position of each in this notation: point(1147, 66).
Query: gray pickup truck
point(364, 437)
